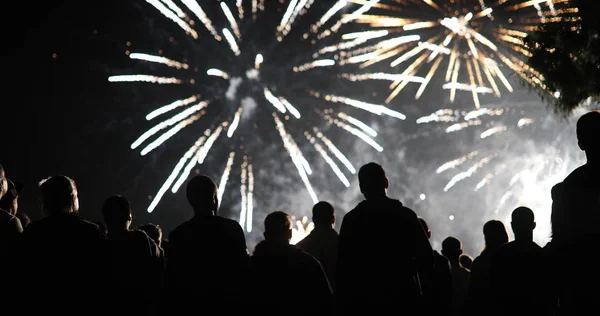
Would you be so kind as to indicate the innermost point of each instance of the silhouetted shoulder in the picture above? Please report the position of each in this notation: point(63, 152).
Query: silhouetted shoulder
point(229, 223)
point(93, 228)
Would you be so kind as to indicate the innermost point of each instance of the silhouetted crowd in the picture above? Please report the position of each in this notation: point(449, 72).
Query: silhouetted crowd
point(380, 263)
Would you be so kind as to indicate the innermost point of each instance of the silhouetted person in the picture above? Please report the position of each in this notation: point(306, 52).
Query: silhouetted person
point(101, 226)
point(518, 271)
point(576, 225)
point(155, 233)
point(480, 297)
point(281, 271)
point(24, 218)
point(10, 201)
point(440, 281)
point(10, 226)
point(63, 251)
point(322, 242)
point(452, 249)
point(466, 261)
point(134, 258)
point(382, 249)
point(10, 233)
point(208, 260)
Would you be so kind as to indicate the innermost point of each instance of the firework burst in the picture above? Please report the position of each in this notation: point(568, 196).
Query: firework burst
point(509, 155)
point(473, 45)
point(244, 71)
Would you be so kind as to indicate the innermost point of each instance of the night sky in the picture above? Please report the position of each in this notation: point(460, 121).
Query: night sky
point(62, 116)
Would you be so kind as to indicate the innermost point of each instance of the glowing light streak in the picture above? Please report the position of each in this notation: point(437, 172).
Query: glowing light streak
point(197, 10)
point(169, 122)
point(159, 59)
point(231, 19)
point(173, 17)
point(225, 176)
point(143, 78)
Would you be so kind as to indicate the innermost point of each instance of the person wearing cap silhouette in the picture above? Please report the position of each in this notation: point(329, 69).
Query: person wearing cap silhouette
point(10, 201)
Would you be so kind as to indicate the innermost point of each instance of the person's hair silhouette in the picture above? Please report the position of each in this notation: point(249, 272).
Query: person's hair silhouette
point(373, 181)
point(278, 227)
point(588, 135)
point(466, 261)
point(59, 195)
point(494, 233)
point(116, 212)
point(202, 195)
point(153, 231)
point(452, 249)
point(523, 223)
point(323, 215)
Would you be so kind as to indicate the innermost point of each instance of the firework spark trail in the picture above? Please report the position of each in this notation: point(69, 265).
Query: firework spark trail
point(198, 158)
point(358, 123)
point(169, 14)
point(249, 199)
point(474, 40)
point(163, 189)
point(243, 194)
point(369, 107)
point(354, 131)
point(199, 12)
point(159, 60)
point(471, 171)
point(333, 149)
point(166, 108)
point(231, 19)
point(235, 123)
point(328, 159)
point(143, 78)
point(173, 120)
point(456, 162)
point(190, 165)
point(493, 130)
point(191, 108)
point(171, 5)
point(225, 176)
point(340, 4)
point(170, 133)
point(294, 153)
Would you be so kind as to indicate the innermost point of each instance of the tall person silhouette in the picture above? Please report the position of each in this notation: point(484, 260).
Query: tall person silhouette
point(382, 248)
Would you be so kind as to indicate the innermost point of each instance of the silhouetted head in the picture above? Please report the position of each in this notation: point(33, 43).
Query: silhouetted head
point(466, 261)
point(523, 222)
point(323, 215)
point(3, 184)
point(116, 212)
point(588, 133)
point(425, 227)
point(278, 227)
point(495, 234)
point(202, 195)
point(452, 248)
point(24, 218)
point(372, 180)
point(59, 195)
point(153, 231)
point(10, 201)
